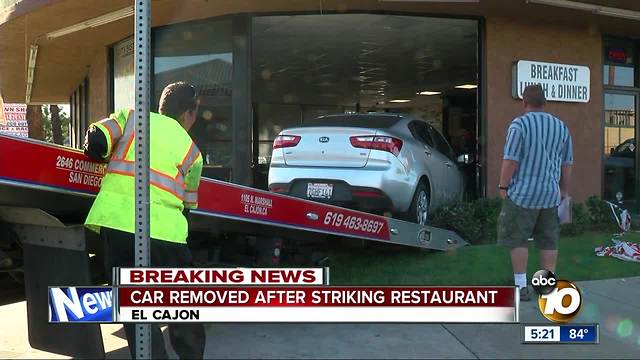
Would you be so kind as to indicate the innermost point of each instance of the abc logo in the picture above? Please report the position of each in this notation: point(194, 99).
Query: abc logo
point(559, 300)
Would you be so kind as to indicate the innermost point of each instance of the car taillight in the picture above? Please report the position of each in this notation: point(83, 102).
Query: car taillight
point(284, 141)
point(367, 193)
point(278, 189)
point(384, 143)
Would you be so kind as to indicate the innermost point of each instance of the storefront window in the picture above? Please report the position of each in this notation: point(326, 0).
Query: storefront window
point(326, 64)
point(312, 112)
point(201, 53)
point(619, 63)
point(273, 119)
point(618, 75)
point(620, 147)
point(620, 119)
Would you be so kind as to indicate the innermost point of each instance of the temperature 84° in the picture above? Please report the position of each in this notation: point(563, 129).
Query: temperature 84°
point(577, 333)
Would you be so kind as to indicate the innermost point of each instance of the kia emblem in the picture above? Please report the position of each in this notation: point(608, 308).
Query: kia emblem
point(324, 139)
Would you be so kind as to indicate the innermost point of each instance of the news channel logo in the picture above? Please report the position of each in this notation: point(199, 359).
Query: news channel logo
point(80, 304)
point(559, 300)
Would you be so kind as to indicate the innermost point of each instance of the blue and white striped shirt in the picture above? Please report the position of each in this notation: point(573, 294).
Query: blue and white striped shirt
point(541, 144)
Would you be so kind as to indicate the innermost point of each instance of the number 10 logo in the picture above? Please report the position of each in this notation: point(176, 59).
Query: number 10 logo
point(562, 304)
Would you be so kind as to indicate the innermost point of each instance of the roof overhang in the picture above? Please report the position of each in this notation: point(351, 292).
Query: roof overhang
point(63, 61)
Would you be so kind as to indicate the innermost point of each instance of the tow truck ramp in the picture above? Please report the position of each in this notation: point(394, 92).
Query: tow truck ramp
point(63, 181)
point(46, 191)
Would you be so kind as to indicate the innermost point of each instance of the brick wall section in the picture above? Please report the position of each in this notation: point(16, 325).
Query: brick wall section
point(509, 40)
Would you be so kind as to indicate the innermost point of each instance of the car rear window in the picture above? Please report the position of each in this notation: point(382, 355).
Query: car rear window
point(364, 121)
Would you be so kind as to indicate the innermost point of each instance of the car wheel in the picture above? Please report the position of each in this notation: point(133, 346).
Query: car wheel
point(419, 209)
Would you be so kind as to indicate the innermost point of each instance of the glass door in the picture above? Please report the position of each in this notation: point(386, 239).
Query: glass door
point(620, 154)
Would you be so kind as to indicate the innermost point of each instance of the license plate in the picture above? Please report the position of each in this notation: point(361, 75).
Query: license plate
point(319, 191)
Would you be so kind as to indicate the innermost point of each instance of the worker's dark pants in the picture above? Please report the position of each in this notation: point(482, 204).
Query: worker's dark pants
point(187, 339)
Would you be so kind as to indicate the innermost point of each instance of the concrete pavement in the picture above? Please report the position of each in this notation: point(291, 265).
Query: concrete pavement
point(614, 304)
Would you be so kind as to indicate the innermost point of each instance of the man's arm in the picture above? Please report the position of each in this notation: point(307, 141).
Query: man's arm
point(102, 136)
point(192, 181)
point(506, 174)
point(511, 158)
point(95, 144)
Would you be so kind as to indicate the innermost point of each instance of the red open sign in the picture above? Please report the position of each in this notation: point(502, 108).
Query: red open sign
point(617, 55)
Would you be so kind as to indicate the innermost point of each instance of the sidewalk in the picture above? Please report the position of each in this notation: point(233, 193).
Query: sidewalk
point(611, 303)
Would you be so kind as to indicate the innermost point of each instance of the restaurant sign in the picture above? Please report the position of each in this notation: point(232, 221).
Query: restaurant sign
point(561, 82)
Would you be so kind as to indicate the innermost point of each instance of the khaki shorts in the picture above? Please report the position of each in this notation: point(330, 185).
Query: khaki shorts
point(517, 224)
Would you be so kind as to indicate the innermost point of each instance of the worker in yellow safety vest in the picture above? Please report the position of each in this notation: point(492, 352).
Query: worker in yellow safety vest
point(175, 169)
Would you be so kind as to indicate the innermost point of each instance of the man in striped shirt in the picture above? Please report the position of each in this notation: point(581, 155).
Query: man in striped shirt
point(535, 176)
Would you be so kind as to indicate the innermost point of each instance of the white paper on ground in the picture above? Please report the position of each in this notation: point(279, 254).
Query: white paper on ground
point(564, 211)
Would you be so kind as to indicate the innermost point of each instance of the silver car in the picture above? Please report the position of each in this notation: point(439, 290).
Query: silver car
point(374, 162)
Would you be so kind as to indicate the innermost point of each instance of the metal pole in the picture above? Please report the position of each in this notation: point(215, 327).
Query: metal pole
point(141, 35)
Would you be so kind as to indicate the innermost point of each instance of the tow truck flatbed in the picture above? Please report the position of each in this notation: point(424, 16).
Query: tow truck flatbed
point(63, 182)
point(47, 190)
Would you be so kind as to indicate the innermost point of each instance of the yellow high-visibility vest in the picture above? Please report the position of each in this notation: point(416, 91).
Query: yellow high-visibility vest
point(176, 166)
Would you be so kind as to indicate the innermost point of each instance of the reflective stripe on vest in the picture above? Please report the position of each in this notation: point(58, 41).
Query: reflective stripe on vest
point(174, 186)
point(113, 128)
point(189, 158)
point(122, 148)
point(119, 165)
point(191, 197)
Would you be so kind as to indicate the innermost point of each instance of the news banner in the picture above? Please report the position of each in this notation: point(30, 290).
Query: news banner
point(286, 295)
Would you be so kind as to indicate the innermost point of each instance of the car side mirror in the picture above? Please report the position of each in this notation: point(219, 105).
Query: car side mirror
point(464, 159)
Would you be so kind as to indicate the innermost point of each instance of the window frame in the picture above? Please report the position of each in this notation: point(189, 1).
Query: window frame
point(606, 41)
point(621, 90)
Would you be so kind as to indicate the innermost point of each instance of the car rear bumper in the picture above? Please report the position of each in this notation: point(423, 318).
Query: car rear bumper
point(365, 199)
point(371, 189)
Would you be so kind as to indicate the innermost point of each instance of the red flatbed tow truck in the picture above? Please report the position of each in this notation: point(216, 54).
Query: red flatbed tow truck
point(46, 191)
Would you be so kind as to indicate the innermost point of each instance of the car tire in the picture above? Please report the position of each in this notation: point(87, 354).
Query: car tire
point(419, 209)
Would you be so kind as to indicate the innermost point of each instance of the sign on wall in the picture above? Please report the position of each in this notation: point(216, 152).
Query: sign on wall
point(13, 120)
point(124, 78)
point(561, 82)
